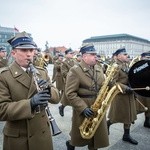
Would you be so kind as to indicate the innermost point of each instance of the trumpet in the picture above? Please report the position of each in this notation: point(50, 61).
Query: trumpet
point(54, 126)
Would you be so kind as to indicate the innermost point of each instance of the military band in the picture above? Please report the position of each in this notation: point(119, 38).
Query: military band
point(76, 82)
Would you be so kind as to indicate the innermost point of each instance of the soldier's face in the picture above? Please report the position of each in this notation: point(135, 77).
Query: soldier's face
point(90, 59)
point(123, 57)
point(23, 56)
point(2, 54)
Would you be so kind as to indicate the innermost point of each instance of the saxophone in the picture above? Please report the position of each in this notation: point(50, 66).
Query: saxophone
point(101, 104)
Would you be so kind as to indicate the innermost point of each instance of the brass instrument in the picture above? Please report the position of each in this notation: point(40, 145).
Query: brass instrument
point(54, 127)
point(42, 60)
point(134, 60)
point(101, 104)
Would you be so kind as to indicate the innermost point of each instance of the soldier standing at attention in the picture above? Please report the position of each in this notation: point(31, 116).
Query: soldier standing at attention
point(25, 128)
point(3, 60)
point(66, 64)
point(123, 108)
point(82, 86)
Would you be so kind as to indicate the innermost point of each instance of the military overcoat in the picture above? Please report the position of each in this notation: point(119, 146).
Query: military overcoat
point(123, 108)
point(146, 102)
point(24, 129)
point(58, 76)
point(82, 86)
point(65, 67)
point(3, 62)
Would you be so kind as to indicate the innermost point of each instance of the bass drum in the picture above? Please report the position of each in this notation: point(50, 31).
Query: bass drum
point(139, 77)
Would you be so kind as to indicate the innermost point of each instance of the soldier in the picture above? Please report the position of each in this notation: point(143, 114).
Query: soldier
point(66, 64)
point(58, 76)
point(123, 109)
point(3, 60)
point(19, 97)
point(144, 100)
point(82, 85)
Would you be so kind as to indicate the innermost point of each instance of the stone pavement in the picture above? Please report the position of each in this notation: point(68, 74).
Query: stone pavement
point(141, 134)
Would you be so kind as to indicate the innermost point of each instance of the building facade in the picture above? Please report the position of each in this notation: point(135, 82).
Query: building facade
point(5, 34)
point(108, 44)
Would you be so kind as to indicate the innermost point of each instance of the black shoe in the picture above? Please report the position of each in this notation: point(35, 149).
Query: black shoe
point(108, 125)
point(69, 147)
point(129, 139)
point(61, 110)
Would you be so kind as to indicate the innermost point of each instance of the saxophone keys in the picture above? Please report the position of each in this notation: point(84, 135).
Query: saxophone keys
point(100, 111)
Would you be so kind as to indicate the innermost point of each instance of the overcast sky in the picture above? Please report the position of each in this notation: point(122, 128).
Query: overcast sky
point(69, 22)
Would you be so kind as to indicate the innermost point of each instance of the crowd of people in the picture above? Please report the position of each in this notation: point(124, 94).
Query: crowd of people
point(77, 79)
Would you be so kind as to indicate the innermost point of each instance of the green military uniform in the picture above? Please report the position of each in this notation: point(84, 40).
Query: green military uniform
point(58, 76)
point(24, 129)
point(123, 107)
point(3, 62)
point(65, 67)
point(82, 86)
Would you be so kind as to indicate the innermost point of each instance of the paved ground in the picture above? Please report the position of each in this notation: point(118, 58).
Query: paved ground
point(141, 134)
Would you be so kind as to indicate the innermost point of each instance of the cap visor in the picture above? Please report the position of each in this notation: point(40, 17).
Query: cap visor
point(91, 52)
point(26, 47)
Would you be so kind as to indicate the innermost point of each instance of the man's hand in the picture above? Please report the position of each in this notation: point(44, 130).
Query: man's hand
point(41, 98)
point(128, 90)
point(88, 112)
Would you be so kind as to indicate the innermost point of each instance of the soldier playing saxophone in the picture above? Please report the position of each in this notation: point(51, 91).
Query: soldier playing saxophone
point(82, 85)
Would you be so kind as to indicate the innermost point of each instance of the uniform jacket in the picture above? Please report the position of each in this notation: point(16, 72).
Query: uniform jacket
point(3, 62)
point(24, 129)
point(65, 67)
point(123, 107)
point(82, 86)
point(58, 76)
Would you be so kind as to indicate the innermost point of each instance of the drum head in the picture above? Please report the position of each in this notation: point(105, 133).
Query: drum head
point(139, 77)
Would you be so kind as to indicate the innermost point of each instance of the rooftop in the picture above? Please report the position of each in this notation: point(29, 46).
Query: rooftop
point(114, 36)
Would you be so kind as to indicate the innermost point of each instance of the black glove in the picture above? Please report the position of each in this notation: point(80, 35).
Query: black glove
point(41, 98)
point(111, 84)
point(41, 82)
point(128, 90)
point(88, 112)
